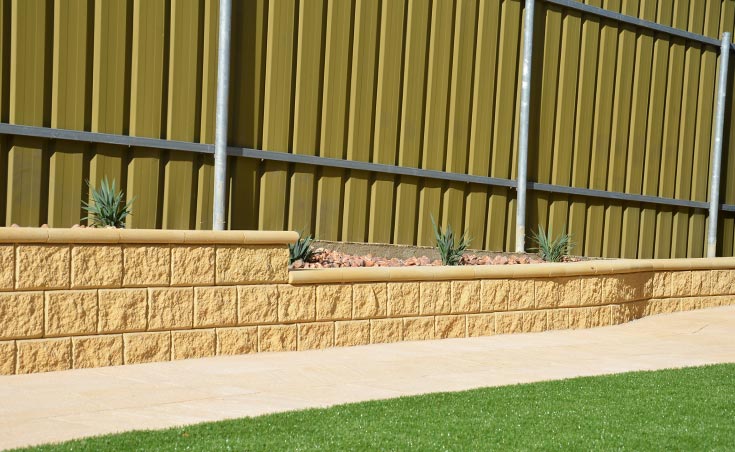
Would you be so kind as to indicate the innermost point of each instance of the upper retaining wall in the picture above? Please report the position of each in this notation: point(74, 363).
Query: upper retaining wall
point(91, 298)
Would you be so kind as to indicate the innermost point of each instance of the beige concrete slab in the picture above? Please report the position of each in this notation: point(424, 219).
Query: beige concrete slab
point(57, 406)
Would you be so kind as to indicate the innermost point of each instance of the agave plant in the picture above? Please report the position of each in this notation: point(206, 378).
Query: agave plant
point(450, 252)
point(107, 207)
point(301, 250)
point(552, 250)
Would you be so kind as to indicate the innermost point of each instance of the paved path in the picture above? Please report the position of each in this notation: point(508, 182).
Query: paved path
point(64, 405)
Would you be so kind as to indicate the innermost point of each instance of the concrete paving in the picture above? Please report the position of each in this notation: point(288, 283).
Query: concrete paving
point(59, 406)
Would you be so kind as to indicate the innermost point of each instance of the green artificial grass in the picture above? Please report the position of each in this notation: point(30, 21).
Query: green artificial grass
point(684, 409)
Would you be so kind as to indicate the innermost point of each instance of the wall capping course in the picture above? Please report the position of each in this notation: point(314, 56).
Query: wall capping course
point(155, 236)
point(546, 270)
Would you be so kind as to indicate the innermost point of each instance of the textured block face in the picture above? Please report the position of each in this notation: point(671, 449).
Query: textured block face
point(257, 304)
point(534, 321)
point(403, 299)
point(450, 326)
point(352, 333)
point(418, 328)
point(723, 282)
point(316, 335)
point(557, 292)
point(96, 266)
point(296, 303)
point(170, 308)
point(44, 355)
point(628, 311)
point(589, 317)
point(42, 267)
point(237, 341)
point(508, 322)
point(97, 351)
point(591, 291)
point(215, 306)
point(557, 319)
point(369, 300)
point(146, 265)
point(7, 358)
point(667, 305)
point(21, 315)
point(627, 287)
point(147, 347)
point(277, 338)
point(7, 267)
point(333, 302)
point(494, 295)
point(192, 265)
point(681, 284)
point(701, 284)
point(71, 312)
point(435, 297)
point(465, 296)
point(692, 303)
point(193, 344)
point(242, 265)
point(520, 295)
point(122, 310)
point(480, 325)
point(383, 331)
point(661, 285)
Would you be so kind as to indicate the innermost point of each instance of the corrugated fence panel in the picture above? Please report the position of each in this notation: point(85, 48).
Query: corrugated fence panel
point(361, 119)
point(30, 91)
point(503, 132)
point(307, 114)
point(247, 87)
point(387, 120)
point(429, 84)
point(335, 100)
point(110, 88)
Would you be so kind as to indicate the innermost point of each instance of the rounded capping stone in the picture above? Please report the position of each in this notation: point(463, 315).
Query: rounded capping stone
point(87, 235)
point(103, 235)
point(545, 270)
point(23, 235)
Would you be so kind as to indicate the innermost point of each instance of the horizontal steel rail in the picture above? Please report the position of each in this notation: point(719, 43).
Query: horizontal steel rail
point(641, 23)
point(203, 148)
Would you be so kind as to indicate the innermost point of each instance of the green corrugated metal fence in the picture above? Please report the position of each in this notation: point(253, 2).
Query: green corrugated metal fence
point(416, 83)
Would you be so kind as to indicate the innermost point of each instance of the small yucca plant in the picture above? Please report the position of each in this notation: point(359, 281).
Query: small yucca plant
point(552, 250)
point(450, 252)
point(301, 250)
point(107, 207)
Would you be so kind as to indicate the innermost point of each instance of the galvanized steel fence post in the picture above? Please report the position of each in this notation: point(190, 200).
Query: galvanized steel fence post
point(716, 166)
point(523, 129)
point(220, 140)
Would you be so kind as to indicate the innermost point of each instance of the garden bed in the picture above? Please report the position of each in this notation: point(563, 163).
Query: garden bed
point(354, 255)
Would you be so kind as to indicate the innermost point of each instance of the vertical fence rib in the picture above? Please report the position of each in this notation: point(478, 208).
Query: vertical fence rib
point(714, 186)
point(523, 129)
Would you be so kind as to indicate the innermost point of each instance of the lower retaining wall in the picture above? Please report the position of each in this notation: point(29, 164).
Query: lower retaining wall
point(233, 296)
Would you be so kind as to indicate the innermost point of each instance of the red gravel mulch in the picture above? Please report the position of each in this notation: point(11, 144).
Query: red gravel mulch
point(323, 258)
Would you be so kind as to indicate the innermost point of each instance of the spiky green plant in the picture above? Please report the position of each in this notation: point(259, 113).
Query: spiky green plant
point(107, 207)
point(302, 249)
point(450, 252)
point(552, 250)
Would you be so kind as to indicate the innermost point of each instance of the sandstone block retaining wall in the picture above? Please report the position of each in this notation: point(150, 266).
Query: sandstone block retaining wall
point(76, 299)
